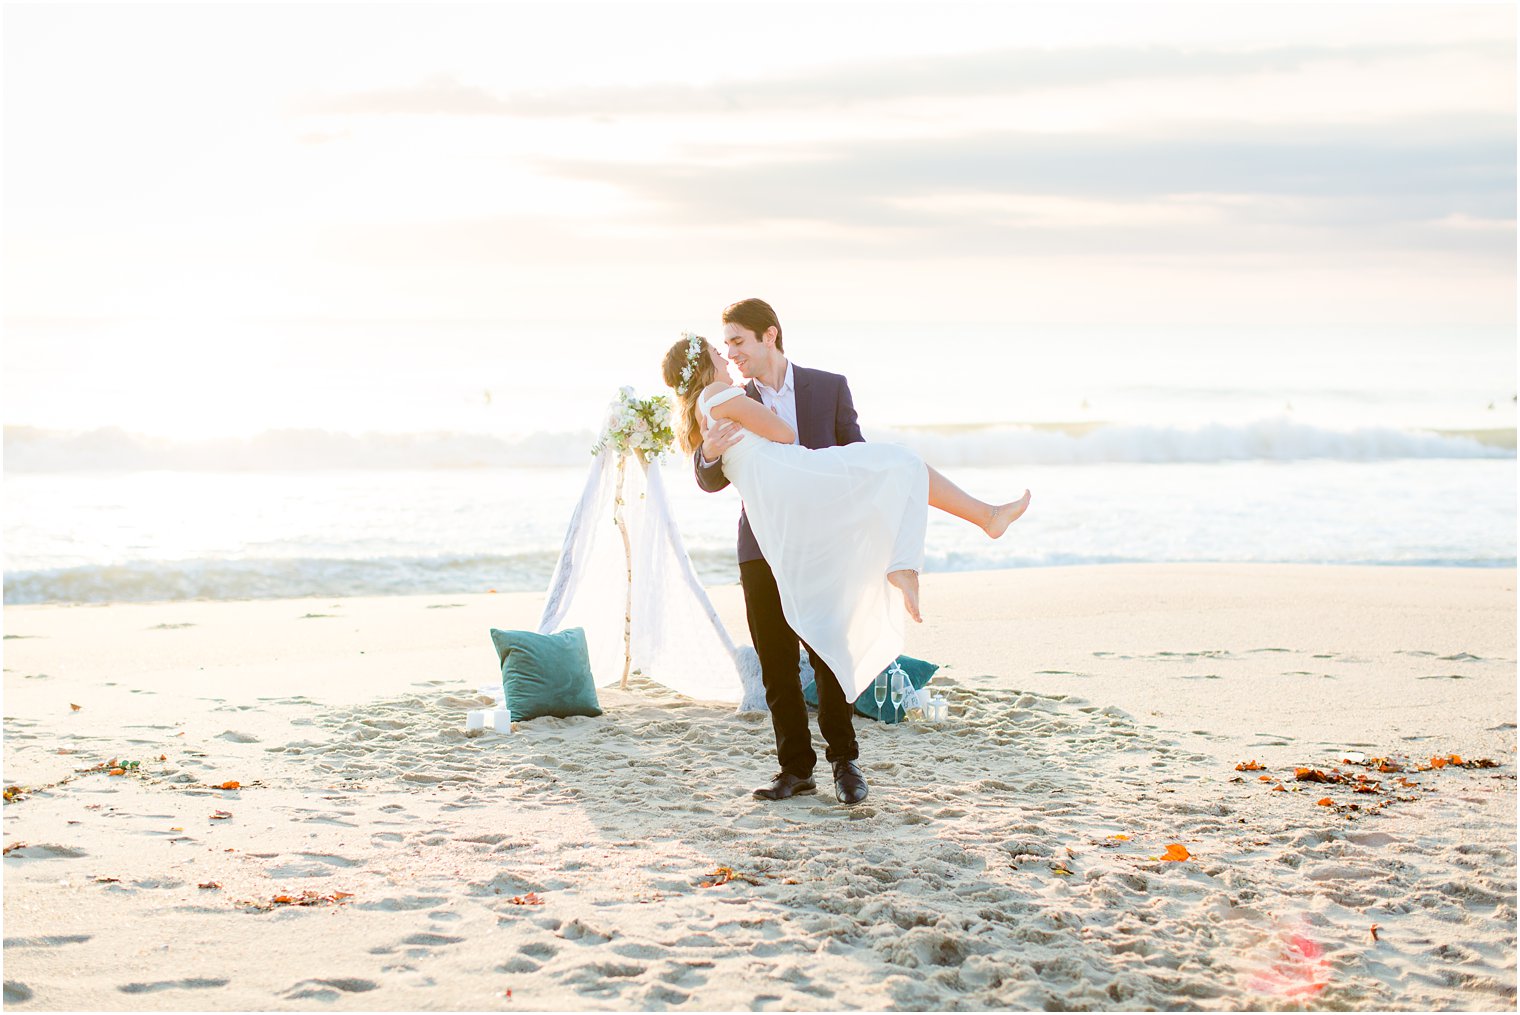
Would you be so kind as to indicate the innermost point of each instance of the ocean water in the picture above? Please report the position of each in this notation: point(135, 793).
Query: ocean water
point(444, 469)
point(158, 534)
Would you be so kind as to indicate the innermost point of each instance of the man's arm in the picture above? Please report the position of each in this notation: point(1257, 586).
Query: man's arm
point(846, 427)
point(711, 479)
point(707, 459)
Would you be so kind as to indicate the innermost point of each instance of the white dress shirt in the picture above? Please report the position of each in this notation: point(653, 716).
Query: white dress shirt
point(783, 402)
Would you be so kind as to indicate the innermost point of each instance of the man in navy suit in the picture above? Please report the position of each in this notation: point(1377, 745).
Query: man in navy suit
point(822, 414)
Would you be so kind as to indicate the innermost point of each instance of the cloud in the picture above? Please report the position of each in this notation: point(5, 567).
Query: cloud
point(1000, 72)
point(1348, 176)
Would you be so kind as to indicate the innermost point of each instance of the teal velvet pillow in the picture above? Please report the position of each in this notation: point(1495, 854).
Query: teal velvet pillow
point(546, 674)
point(918, 672)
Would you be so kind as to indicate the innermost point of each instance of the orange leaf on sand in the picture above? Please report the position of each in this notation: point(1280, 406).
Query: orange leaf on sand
point(1264, 778)
point(1325, 802)
point(721, 876)
point(531, 899)
point(213, 885)
point(1279, 788)
point(117, 771)
point(219, 815)
point(1454, 759)
point(230, 784)
point(1437, 762)
point(74, 707)
point(1124, 837)
point(1176, 852)
point(1374, 932)
point(1248, 766)
point(163, 757)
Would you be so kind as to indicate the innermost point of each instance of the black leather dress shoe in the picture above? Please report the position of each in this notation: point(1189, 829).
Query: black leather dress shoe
point(849, 782)
point(784, 785)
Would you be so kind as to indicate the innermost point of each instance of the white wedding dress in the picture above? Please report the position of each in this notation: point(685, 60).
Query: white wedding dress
point(832, 522)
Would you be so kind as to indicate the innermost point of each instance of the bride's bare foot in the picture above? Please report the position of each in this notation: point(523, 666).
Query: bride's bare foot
point(907, 581)
point(1005, 515)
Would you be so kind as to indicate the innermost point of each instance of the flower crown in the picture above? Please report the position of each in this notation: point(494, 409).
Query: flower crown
point(693, 353)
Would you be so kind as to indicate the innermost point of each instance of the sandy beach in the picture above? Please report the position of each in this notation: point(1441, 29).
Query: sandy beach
point(1006, 858)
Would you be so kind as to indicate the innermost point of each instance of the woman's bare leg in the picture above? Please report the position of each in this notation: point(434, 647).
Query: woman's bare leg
point(992, 519)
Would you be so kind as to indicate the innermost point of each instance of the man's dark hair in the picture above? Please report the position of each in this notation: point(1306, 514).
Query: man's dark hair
point(756, 315)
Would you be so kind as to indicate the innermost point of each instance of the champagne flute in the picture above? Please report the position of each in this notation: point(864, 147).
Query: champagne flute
point(881, 692)
point(897, 687)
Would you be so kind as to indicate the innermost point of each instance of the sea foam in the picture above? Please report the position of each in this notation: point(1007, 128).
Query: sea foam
point(31, 449)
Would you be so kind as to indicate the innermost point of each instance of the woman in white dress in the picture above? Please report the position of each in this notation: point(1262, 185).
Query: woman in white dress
point(839, 526)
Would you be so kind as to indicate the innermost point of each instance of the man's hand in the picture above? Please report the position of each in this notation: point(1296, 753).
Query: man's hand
point(722, 435)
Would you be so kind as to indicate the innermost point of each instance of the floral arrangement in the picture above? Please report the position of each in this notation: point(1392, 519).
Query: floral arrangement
point(638, 425)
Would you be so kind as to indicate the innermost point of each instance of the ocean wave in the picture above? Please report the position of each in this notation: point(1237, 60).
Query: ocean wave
point(31, 449)
point(281, 578)
point(1278, 439)
point(215, 579)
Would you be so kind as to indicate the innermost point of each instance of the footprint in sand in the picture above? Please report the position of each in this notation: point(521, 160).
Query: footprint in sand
point(15, 991)
point(661, 996)
point(49, 941)
point(319, 865)
point(328, 990)
point(583, 933)
point(427, 940)
point(192, 983)
point(45, 851)
point(540, 950)
point(402, 903)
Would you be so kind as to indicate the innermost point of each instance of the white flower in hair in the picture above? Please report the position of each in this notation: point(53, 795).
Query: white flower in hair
point(693, 353)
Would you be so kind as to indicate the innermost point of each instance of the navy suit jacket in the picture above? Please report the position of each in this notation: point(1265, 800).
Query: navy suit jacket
point(825, 419)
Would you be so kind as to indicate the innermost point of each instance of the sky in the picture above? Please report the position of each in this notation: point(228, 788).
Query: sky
point(173, 168)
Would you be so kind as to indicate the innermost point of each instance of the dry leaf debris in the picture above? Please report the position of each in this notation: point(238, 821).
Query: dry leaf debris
point(307, 898)
point(1364, 784)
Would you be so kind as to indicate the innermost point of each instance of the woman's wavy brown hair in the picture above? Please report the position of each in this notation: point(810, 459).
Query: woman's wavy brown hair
point(688, 430)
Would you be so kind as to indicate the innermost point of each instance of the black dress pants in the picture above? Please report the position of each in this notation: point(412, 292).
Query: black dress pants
point(778, 647)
